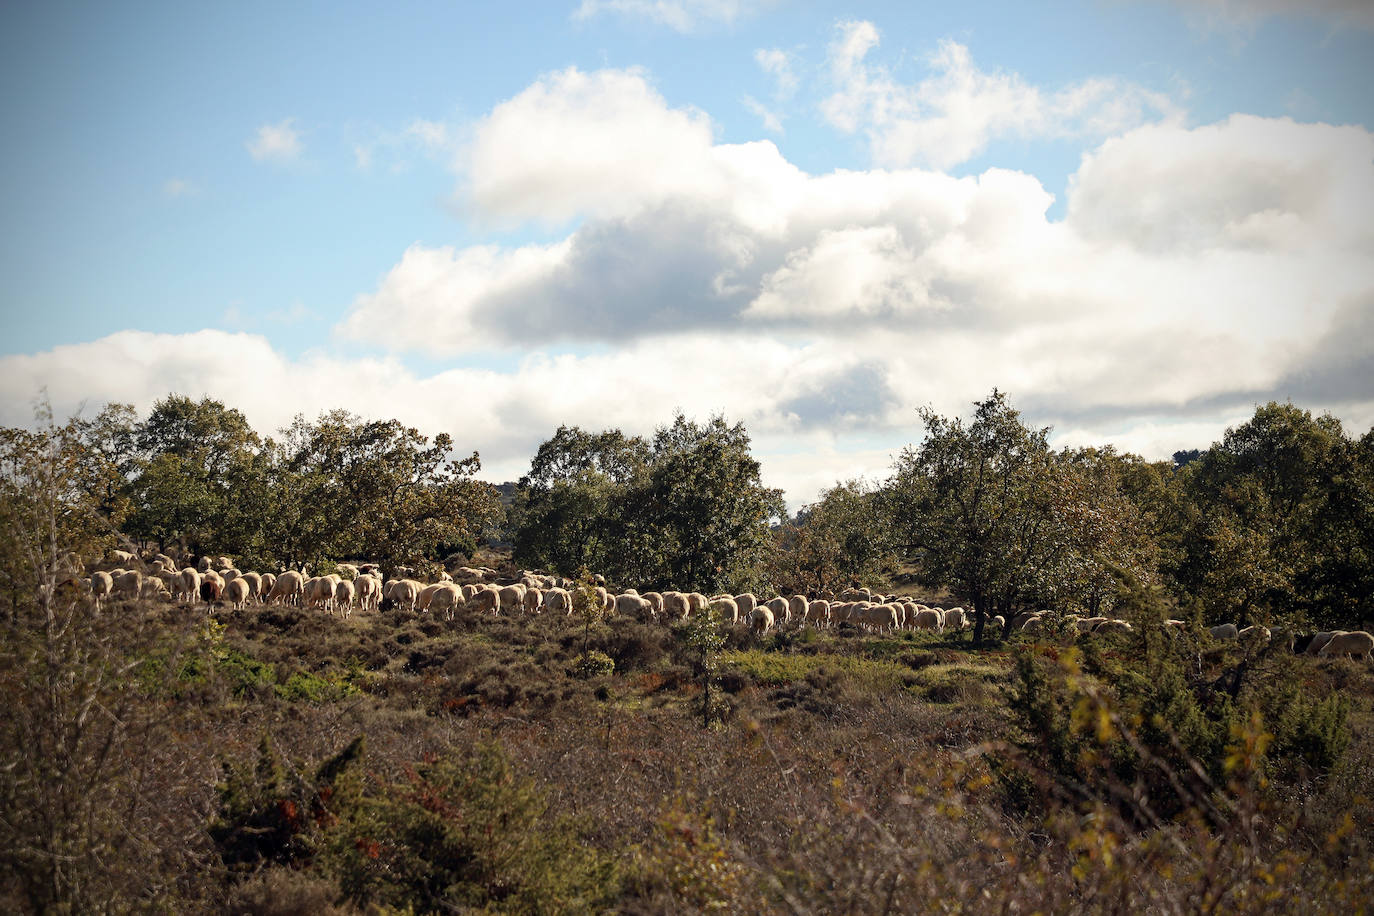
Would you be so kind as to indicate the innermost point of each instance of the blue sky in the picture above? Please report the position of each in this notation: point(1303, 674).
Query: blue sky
point(524, 204)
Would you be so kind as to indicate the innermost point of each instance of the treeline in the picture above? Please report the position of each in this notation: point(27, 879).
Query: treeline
point(195, 474)
point(1275, 520)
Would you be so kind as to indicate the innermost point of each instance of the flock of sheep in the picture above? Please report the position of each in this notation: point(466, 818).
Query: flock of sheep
point(478, 590)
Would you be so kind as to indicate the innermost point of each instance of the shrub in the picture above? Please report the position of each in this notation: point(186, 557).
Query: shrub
point(465, 831)
point(593, 664)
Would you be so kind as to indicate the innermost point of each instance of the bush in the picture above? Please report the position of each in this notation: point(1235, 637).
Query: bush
point(465, 831)
point(593, 664)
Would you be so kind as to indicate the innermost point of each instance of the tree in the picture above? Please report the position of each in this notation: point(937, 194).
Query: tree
point(686, 510)
point(1280, 513)
point(973, 504)
point(189, 454)
point(706, 506)
point(84, 797)
point(841, 539)
point(567, 504)
point(379, 489)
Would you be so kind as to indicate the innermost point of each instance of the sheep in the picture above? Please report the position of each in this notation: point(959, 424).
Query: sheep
point(1260, 633)
point(1019, 621)
point(555, 599)
point(101, 587)
point(152, 589)
point(1320, 640)
point(1357, 643)
point(1224, 631)
point(999, 621)
point(634, 605)
point(761, 621)
point(929, 619)
point(289, 588)
point(746, 604)
point(1034, 624)
point(779, 606)
point(237, 592)
point(656, 601)
point(369, 589)
point(677, 607)
point(955, 619)
point(120, 558)
point(403, 593)
point(818, 612)
point(534, 600)
point(796, 608)
point(1113, 626)
point(211, 586)
point(188, 584)
point(696, 602)
point(319, 592)
point(446, 600)
point(513, 596)
point(426, 593)
point(344, 595)
point(727, 608)
point(128, 583)
point(487, 599)
point(203, 565)
point(229, 575)
point(882, 617)
point(347, 571)
point(1089, 624)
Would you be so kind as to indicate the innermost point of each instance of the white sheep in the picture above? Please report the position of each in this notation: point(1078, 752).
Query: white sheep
point(929, 619)
point(818, 612)
point(746, 604)
point(761, 621)
point(237, 592)
point(101, 587)
point(486, 600)
point(289, 588)
point(955, 619)
point(1357, 643)
point(446, 600)
point(369, 588)
point(1224, 631)
point(1320, 640)
point(345, 593)
point(725, 606)
point(677, 607)
point(796, 608)
point(556, 600)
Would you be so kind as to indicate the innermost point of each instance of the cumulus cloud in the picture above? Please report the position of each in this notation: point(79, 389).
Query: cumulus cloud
point(1246, 182)
point(279, 142)
point(681, 15)
point(578, 143)
point(952, 115)
point(1195, 273)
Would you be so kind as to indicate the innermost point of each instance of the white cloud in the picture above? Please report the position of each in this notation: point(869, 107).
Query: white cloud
point(778, 64)
point(578, 143)
point(1197, 271)
point(681, 15)
point(1247, 182)
point(952, 115)
point(771, 120)
point(279, 142)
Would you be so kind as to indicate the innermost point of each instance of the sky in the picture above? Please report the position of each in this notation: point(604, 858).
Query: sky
point(1139, 218)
